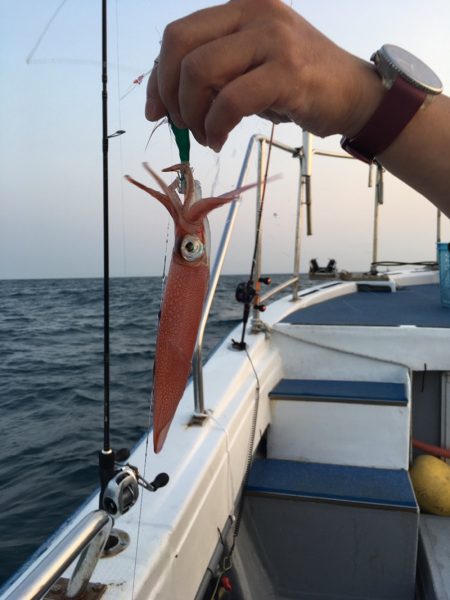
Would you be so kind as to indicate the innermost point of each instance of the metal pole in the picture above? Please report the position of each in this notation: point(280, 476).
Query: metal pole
point(375, 234)
point(298, 230)
point(197, 367)
point(379, 199)
point(438, 226)
point(306, 175)
point(258, 224)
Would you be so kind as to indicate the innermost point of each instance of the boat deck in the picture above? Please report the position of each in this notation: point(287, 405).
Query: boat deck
point(417, 305)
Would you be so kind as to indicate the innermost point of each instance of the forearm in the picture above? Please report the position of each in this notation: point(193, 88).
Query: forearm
point(260, 57)
point(420, 156)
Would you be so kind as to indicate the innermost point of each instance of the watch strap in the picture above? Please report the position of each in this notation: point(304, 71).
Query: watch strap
point(398, 106)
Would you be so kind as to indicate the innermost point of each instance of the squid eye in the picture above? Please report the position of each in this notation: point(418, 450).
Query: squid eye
point(192, 248)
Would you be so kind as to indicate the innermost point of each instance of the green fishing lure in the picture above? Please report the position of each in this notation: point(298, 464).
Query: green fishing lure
point(183, 142)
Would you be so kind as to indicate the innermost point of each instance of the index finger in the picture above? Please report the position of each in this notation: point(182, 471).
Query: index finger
point(179, 39)
point(154, 108)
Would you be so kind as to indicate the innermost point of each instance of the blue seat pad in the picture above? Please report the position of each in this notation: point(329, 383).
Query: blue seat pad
point(388, 488)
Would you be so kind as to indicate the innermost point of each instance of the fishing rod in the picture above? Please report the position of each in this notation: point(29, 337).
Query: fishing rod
point(106, 456)
point(119, 482)
point(247, 292)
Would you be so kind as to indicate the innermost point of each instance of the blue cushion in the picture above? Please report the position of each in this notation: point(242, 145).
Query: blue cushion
point(379, 488)
point(368, 392)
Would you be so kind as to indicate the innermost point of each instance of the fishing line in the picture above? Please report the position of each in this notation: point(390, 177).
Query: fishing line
point(44, 31)
point(83, 62)
point(65, 61)
point(251, 443)
point(163, 278)
point(119, 117)
point(134, 85)
point(227, 562)
point(182, 139)
point(230, 471)
point(161, 122)
point(260, 212)
point(216, 176)
point(140, 516)
point(150, 417)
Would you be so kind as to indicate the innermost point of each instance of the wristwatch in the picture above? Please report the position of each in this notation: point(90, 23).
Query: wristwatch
point(409, 82)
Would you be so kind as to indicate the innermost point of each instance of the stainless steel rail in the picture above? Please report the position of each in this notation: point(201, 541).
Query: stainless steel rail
point(39, 581)
point(278, 288)
point(379, 199)
point(197, 367)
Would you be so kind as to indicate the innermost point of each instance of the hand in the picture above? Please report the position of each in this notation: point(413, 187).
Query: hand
point(248, 57)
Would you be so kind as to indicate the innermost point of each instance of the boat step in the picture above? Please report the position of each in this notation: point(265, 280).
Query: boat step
point(361, 423)
point(362, 486)
point(361, 392)
point(332, 531)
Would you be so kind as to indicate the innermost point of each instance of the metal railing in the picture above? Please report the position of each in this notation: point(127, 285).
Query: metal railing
point(304, 155)
point(304, 164)
point(87, 540)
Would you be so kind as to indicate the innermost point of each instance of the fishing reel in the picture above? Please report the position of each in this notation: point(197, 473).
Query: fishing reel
point(246, 292)
point(122, 490)
point(121, 493)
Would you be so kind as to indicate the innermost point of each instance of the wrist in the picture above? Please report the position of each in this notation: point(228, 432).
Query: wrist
point(367, 92)
point(407, 82)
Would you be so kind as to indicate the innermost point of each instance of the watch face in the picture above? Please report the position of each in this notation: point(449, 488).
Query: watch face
point(411, 68)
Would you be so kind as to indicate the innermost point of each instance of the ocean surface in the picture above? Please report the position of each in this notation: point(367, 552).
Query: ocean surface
point(51, 392)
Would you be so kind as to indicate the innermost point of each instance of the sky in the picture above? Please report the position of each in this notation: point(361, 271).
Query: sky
point(50, 145)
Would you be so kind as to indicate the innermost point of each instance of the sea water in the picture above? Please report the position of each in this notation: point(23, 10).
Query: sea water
point(51, 392)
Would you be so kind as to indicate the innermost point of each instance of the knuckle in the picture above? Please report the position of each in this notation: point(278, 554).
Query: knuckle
point(276, 32)
point(191, 68)
point(280, 34)
point(273, 5)
point(174, 34)
point(231, 104)
point(261, 6)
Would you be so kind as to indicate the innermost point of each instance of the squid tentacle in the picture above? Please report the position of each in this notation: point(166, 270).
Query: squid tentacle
point(200, 209)
point(175, 212)
point(168, 189)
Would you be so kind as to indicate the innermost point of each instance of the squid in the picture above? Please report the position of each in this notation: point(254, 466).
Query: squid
point(184, 294)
